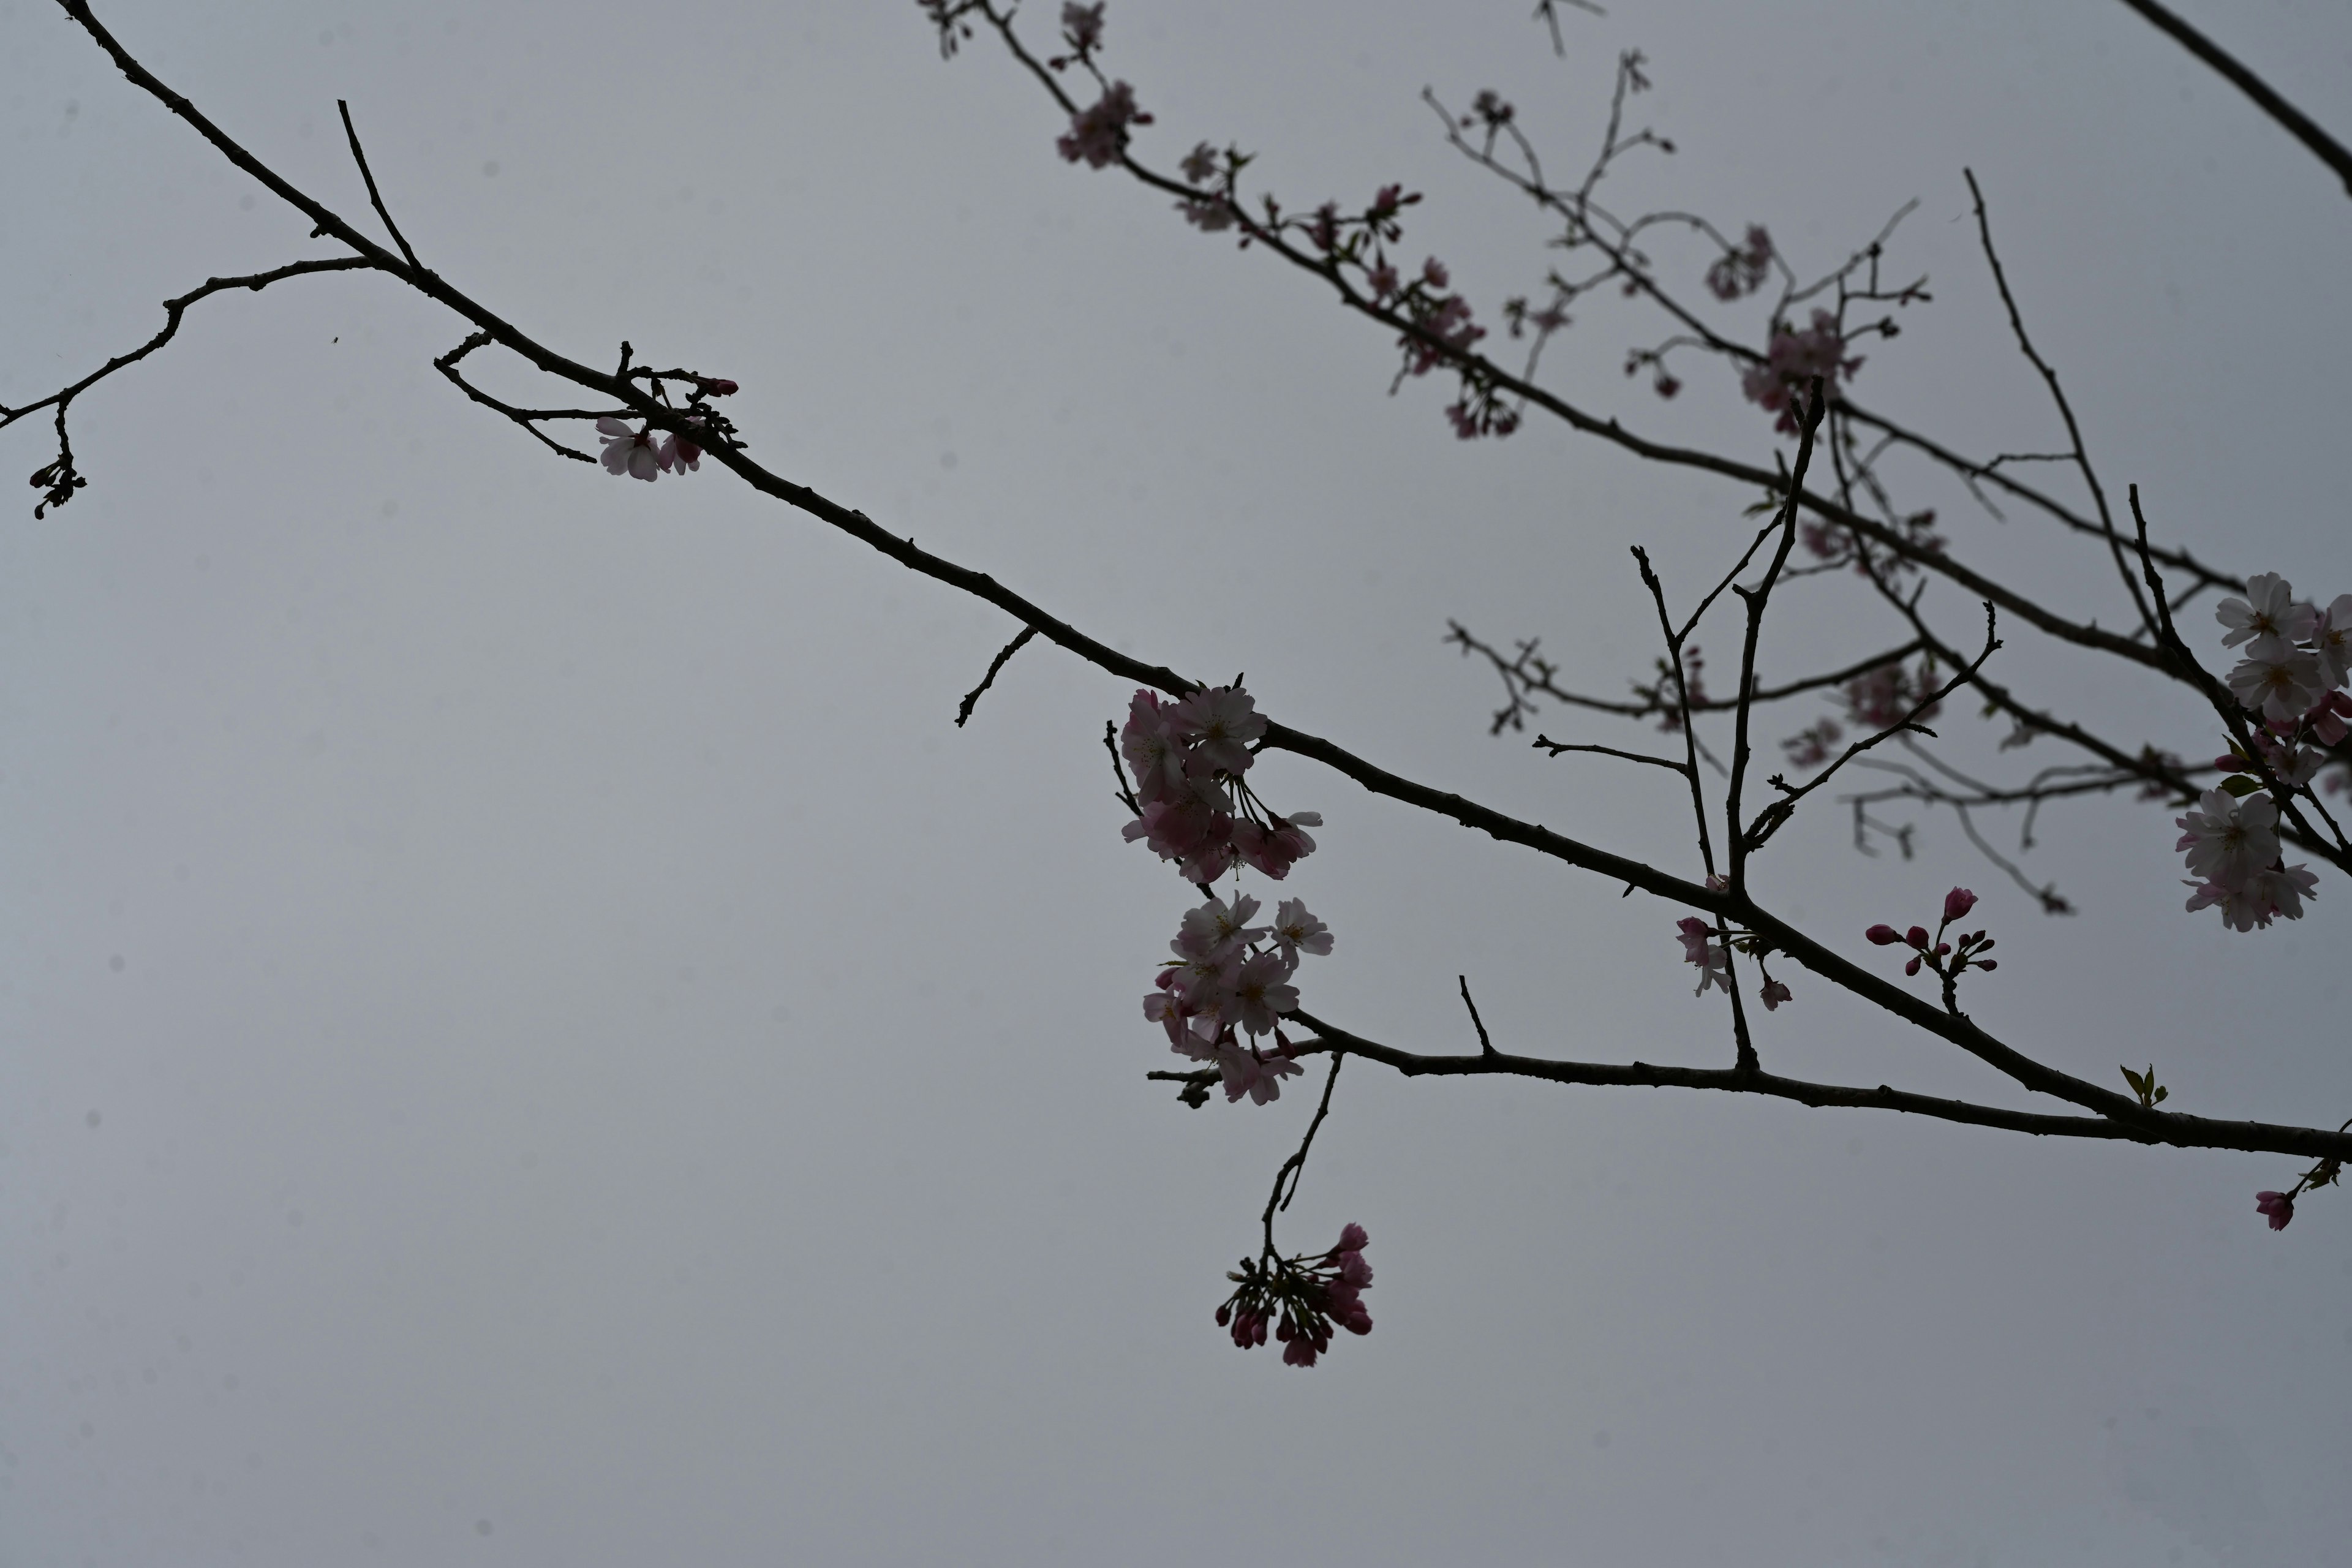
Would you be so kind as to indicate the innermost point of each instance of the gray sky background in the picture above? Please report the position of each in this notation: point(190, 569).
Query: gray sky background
point(527, 1037)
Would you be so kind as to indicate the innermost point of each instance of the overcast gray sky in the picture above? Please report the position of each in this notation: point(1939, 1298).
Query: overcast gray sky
point(526, 1036)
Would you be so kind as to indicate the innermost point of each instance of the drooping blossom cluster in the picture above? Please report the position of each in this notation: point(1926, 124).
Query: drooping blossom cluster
point(1229, 980)
point(1792, 361)
point(2294, 660)
point(1300, 1298)
point(1946, 960)
point(1187, 758)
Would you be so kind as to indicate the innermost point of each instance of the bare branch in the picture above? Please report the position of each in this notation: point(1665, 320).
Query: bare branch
point(2161, 1127)
point(972, 698)
point(374, 199)
point(2323, 146)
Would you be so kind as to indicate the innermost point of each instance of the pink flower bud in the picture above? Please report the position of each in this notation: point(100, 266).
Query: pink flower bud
point(1224, 1314)
point(1911, 967)
point(1988, 963)
point(2277, 1206)
point(1918, 937)
point(1353, 1238)
point(1882, 935)
point(1957, 903)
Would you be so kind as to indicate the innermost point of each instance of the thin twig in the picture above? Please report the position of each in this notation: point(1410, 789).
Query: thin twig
point(1294, 1167)
point(374, 199)
point(1486, 1046)
point(972, 698)
point(1545, 744)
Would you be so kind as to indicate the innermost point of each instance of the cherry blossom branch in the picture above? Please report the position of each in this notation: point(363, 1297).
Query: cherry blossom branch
point(1725, 905)
point(2155, 1127)
point(2323, 146)
point(1485, 372)
point(1580, 213)
point(2233, 716)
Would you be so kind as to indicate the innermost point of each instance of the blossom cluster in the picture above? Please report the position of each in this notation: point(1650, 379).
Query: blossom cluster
point(1230, 978)
point(1300, 1298)
point(2294, 660)
point(1741, 269)
point(1194, 806)
point(1948, 960)
point(1097, 134)
point(1793, 359)
point(1709, 953)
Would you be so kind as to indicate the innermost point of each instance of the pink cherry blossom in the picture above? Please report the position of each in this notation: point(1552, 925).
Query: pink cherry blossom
point(1210, 214)
point(1217, 930)
point(1281, 843)
point(1701, 949)
point(2277, 1208)
point(1957, 903)
point(1097, 134)
point(2331, 640)
point(1218, 723)
point(1775, 992)
point(1258, 1077)
point(1152, 752)
point(2228, 839)
point(1082, 27)
point(1171, 1013)
point(2281, 681)
point(1791, 363)
point(1200, 165)
point(628, 453)
point(1298, 931)
point(2328, 716)
point(679, 454)
point(2268, 615)
point(1261, 991)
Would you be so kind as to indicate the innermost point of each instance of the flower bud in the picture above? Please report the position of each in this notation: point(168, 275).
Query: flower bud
point(1883, 935)
point(1918, 937)
point(1911, 967)
point(1224, 1314)
point(1957, 903)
